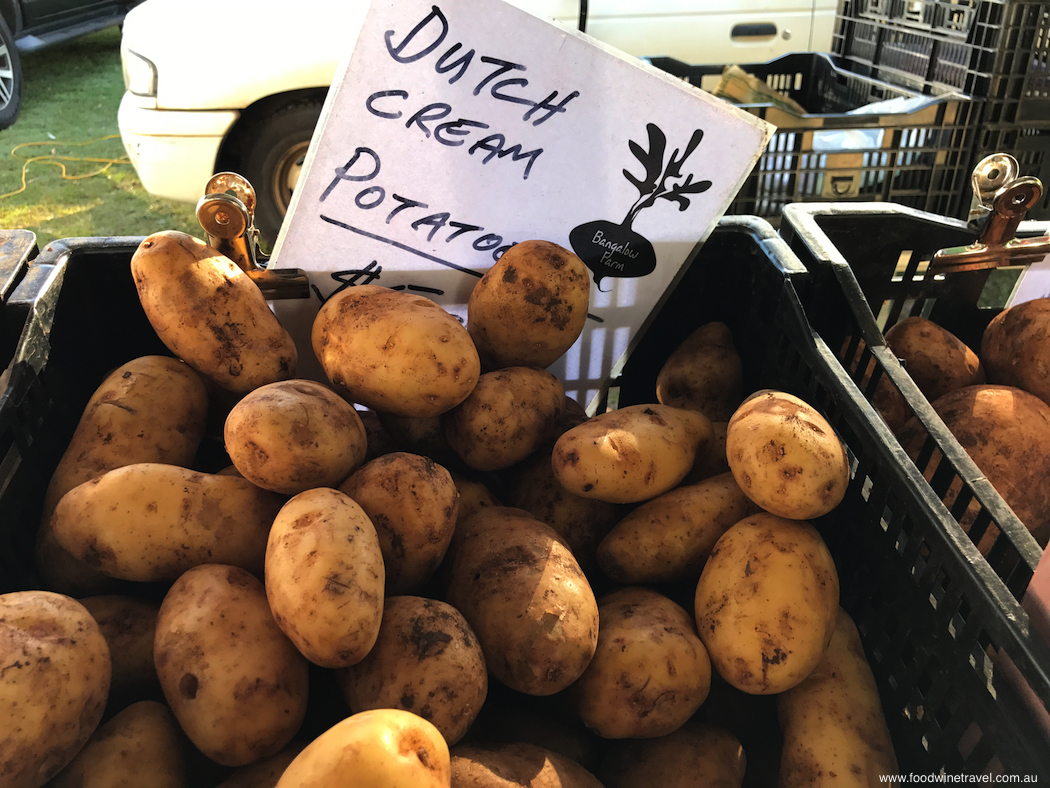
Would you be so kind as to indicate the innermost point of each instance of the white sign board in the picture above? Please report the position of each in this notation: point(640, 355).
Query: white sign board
point(461, 127)
point(1033, 283)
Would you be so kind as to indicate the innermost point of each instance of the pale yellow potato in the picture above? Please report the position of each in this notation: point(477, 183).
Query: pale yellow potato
point(129, 625)
point(516, 765)
point(236, 684)
point(835, 733)
point(412, 501)
point(936, 359)
point(521, 589)
point(140, 746)
point(1015, 348)
point(151, 521)
point(766, 603)
point(631, 454)
point(384, 748)
point(703, 373)
point(583, 522)
point(786, 457)
point(650, 672)
point(530, 307)
point(427, 660)
point(53, 701)
point(697, 754)
point(325, 577)
point(265, 773)
point(151, 409)
point(294, 435)
point(394, 351)
point(510, 414)
point(210, 313)
point(669, 538)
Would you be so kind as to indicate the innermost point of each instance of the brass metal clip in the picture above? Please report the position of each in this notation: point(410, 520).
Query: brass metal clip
point(226, 212)
point(1001, 200)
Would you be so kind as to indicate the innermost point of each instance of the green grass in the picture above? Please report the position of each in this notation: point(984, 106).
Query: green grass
point(72, 92)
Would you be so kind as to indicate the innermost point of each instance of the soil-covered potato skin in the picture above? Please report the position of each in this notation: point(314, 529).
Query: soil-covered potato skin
point(937, 360)
point(1015, 348)
point(518, 584)
point(530, 307)
point(426, 660)
point(236, 684)
point(1006, 432)
point(210, 313)
point(294, 435)
point(413, 503)
point(54, 680)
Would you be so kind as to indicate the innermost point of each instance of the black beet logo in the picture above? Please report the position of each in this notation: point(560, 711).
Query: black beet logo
point(617, 250)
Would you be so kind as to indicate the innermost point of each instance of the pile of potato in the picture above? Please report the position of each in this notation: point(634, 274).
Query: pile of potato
point(462, 581)
point(996, 404)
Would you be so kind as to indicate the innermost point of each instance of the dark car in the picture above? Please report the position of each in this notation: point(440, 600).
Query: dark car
point(29, 25)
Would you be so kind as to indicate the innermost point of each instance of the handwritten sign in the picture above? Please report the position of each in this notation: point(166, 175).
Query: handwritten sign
point(461, 127)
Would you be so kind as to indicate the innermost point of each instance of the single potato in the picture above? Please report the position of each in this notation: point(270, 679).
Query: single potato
point(412, 501)
point(1006, 432)
point(294, 435)
point(394, 351)
point(140, 746)
point(766, 603)
point(530, 307)
point(325, 577)
point(668, 538)
point(210, 313)
point(631, 454)
point(509, 415)
point(650, 672)
point(53, 698)
point(385, 748)
point(516, 765)
point(151, 409)
point(150, 521)
point(786, 457)
point(936, 359)
point(1015, 348)
point(835, 734)
point(236, 684)
point(521, 589)
point(703, 373)
point(427, 660)
point(695, 754)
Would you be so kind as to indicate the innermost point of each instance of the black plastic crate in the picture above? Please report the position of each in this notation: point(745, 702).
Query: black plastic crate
point(997, 50)
point(931, 610)
point(868, 268)
point(921, 158)
point(931, 613)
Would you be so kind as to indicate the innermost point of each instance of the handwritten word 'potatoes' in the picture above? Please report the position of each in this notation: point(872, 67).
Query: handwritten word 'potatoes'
point(364, 166)
point(431, 33)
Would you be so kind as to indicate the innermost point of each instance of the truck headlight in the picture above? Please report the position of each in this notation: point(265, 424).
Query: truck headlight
point(140, 75)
